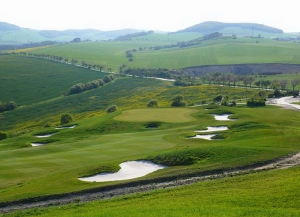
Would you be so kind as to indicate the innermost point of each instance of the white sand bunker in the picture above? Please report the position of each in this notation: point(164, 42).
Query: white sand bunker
point(34, 144)
point(223, 117)
point(129, 170)
point(207, 137)
point(44, 136)
point(71, 127)
point(212, 129)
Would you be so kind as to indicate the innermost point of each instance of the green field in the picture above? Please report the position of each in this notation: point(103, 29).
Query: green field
point(101, 140)
point(273, 193)
point(212, 52)
point(28, 80)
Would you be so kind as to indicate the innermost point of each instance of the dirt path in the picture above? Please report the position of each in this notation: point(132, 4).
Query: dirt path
point(285, 102)
point(143, 186)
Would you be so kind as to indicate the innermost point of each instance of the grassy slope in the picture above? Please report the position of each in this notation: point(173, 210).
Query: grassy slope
point(213, 52)
point(109, 54)
point(101, 142)
point(121, 92)
point(220, 52)
point(273, 193)
point(29, 80)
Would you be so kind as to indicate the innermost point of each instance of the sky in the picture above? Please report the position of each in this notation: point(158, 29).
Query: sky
point(158, 15)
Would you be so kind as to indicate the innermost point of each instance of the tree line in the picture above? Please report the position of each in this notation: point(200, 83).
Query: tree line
point(232, 79)
point(96, 67)
point(81, 87)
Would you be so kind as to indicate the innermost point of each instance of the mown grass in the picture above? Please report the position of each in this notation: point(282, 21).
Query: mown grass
point(272, 193)
point(154, 114)
point(101, 142)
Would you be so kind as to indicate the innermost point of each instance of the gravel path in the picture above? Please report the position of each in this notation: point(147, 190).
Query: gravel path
point(285, 102)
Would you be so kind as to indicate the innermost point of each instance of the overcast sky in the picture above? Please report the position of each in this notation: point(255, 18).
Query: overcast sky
point(164, 15)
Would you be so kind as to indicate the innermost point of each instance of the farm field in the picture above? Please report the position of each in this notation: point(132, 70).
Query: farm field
point(28, 80)
point(211, 52)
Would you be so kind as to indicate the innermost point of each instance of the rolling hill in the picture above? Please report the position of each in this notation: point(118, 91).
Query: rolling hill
point(12, 34)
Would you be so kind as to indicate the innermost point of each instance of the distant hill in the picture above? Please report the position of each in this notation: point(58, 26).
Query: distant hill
point(211, 26)
point(14, 35)
point(8, 27)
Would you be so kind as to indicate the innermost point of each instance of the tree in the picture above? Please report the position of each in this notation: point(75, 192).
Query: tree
point(111, 109)
point(295, 82)
point(178, 101)
point(65, 119)
point(283, 84)
point(152, 103)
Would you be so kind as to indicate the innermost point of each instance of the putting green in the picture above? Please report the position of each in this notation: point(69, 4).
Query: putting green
point(170, 115)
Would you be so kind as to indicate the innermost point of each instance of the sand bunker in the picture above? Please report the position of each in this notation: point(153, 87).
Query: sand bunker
point(44, 136)
point(212, 129)
point(223, 117)
point(34, 144)
point(129, 170)
point(71, 127)
point(207, 137)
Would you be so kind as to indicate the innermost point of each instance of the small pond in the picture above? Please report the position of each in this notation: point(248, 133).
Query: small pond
point(129, 170)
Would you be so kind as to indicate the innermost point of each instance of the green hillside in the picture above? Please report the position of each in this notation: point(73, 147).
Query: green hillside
point(28, 80)
point(212, 52)
point(100, 140)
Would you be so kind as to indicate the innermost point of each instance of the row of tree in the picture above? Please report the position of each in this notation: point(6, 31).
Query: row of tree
point(96, 67)
point(81, 87)
point(159, 73)
point(231, 79)
point(7, 106)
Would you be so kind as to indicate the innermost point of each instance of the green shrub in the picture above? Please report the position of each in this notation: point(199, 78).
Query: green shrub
point(65, 119)
point(111, 109)
point(178, 101)
point(152, 103)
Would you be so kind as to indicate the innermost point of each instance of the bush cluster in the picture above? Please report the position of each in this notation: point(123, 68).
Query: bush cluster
point(7, 106)
point(81, 87)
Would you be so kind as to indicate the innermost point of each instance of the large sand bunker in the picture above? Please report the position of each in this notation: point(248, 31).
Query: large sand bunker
point(129, 170)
